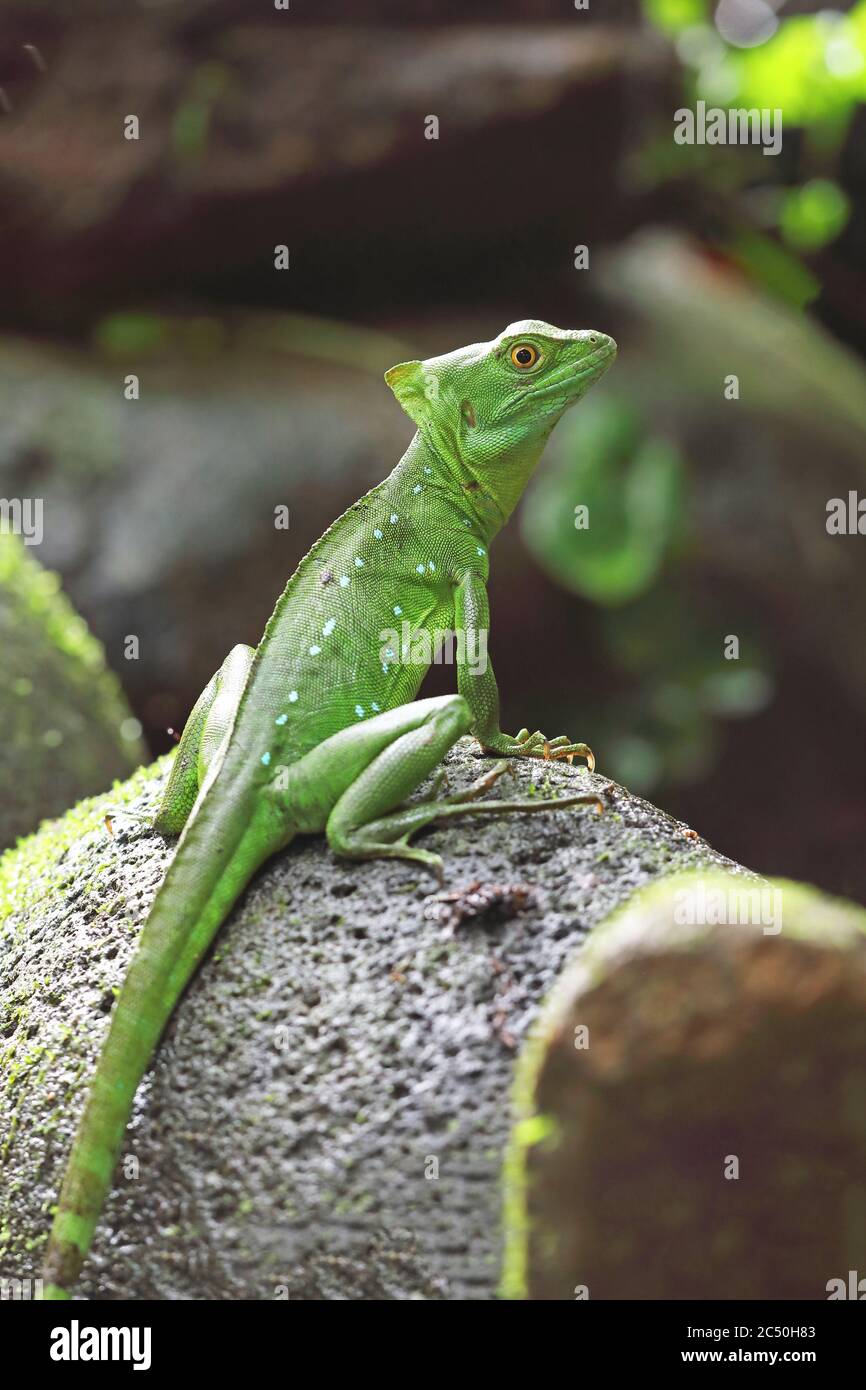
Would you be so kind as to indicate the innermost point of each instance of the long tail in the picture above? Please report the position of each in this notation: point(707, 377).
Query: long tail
point(217, 856)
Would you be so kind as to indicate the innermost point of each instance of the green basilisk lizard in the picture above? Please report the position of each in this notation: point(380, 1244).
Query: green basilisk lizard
point(318, 728)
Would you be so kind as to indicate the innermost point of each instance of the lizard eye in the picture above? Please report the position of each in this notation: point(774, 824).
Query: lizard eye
point(524, 356)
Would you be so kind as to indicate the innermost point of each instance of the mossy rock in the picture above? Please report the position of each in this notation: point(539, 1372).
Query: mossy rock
point(326, 1114)
point(691, 1108)
point(67, 730)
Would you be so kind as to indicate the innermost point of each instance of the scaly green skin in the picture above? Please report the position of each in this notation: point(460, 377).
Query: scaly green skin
point(318, 728)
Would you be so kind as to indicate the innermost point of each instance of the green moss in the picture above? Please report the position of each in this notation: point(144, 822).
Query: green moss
point(529, 1129)
point(36, 869)
point(39, 598)
point(67, 729)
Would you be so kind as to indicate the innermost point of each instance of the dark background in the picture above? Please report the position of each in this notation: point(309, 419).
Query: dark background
point(155, 256)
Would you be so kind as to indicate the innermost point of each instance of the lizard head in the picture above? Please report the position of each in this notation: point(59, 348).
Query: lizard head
point(487, 410)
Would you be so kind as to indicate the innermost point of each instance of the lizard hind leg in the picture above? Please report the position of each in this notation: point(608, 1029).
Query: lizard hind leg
point(211, 718)
point(363, 823)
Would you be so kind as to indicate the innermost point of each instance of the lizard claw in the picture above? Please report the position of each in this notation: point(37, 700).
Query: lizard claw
point(558, 748)
point(570, 751)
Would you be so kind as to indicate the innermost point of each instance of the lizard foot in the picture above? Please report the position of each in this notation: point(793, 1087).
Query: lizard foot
point(537, 745)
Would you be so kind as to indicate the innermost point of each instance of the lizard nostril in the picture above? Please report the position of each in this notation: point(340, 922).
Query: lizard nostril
point(592, 338)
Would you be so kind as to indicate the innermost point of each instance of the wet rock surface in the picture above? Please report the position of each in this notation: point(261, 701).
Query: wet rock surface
point(339, 1048)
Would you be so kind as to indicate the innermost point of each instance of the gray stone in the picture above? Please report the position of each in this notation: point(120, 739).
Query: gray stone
point(336, 1041)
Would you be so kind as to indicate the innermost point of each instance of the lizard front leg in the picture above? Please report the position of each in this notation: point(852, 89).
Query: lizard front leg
point(477, 684)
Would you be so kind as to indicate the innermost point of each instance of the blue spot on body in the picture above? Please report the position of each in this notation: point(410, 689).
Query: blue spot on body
point(393, 518)
point(314, 650)
point(293, 695)
point(480, 550)
point(266, 758)
point(329, 627)
point(374, 706)
point(281, 719)
point(378, 534)
point(359, 710)
point(428, 470)
point(417, 487)
point(397, 610)
point(359, 563)
point(420, 569)
point(344, 580)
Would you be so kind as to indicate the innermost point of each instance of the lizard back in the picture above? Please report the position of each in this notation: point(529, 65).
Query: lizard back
point(328, 657)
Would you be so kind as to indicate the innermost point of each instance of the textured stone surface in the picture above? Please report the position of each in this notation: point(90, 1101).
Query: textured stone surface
point(335, 1042)
point(692, 1107)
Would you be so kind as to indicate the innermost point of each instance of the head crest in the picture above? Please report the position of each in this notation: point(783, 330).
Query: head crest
point(410, 385)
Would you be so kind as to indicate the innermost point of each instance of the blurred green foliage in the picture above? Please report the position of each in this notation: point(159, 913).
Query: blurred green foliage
point(200, 336)
point(191, 124)
point(607, 518)
point(678, 687)
point(812, 69)
point(813, 214)
point(638, 560)
point(623, 486)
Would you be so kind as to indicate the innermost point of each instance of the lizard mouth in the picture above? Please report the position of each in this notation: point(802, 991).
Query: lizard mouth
point(596, 363)
point(566, 383)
